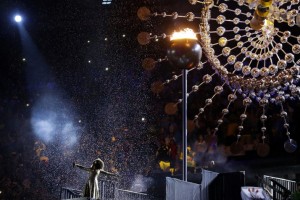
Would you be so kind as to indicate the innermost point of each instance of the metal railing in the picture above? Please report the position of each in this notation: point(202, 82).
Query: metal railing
point(130, 195)
point(68, 193)
point(279, 188)
point(108, 191)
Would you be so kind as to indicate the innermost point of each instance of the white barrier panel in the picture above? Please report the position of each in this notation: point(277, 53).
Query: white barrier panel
point(178, 190)
point(207, 178)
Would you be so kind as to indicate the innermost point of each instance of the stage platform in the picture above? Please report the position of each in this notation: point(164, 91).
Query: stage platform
point(207, 185)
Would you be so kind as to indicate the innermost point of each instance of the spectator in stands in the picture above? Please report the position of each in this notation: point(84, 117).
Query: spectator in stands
point(190, 159)
point(163, 155)
point(173, 155)
point(200, 148)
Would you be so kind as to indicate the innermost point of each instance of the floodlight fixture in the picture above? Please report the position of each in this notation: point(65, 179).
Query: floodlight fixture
point(18, 18)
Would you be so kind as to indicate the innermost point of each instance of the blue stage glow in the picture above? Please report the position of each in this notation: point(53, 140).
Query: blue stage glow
point(52, 121)
point(141, 183)
point(44, 128)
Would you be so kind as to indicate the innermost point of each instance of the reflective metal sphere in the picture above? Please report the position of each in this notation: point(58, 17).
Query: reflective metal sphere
point(290, 146)
point(184, 53)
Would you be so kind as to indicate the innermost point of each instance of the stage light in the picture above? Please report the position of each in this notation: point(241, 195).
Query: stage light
point(106, 2)
point(18, 18)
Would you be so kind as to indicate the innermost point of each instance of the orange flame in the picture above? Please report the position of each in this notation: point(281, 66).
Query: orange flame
point(186, 33)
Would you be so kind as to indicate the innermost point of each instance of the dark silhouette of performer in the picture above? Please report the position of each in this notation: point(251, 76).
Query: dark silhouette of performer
point(91, 188)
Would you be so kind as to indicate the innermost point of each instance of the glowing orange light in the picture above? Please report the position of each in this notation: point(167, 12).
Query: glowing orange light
point(268, 28)
point(186, 33)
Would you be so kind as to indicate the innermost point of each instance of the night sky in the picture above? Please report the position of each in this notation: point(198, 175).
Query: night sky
point(73, 89)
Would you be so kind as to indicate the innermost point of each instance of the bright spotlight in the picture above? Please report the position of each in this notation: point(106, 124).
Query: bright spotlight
point(18, 18)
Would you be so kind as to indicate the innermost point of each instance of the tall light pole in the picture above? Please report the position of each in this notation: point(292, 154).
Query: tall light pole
point(184, 53)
